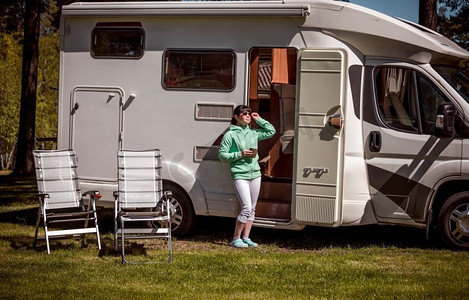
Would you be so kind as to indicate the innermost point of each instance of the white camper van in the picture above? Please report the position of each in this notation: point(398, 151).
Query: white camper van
point(371, 111)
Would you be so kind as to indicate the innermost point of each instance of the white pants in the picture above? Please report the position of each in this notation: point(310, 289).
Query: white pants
point(247, 191)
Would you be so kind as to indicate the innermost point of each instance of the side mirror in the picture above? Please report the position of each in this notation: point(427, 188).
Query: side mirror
point(445, 120)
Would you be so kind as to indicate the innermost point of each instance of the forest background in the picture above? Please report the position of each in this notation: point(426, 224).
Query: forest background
point(450, 18)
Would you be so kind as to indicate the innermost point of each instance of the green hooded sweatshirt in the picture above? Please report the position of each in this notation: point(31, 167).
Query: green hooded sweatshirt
point(240, 138)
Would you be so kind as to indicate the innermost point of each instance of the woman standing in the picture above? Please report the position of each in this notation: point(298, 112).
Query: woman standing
point(239, 147)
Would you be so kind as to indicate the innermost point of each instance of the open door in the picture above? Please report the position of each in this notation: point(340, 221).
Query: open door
point(95, 131)
point(317, 179)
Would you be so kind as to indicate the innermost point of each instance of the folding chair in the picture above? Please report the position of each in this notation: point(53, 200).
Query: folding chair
point(61, 198)
point(140, 198)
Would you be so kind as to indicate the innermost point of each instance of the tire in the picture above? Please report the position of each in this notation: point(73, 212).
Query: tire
point(453, 221)
point(183, 219)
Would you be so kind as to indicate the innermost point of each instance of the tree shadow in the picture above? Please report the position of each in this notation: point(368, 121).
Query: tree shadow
point(17, 188)
point(21, 242)
point(28, 217)
point(134, 248)
point(219, 230)
point(216, 229)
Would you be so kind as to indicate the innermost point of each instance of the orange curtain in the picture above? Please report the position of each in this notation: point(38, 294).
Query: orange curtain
point(279, 66)
point(292, 66)
point(254, 73)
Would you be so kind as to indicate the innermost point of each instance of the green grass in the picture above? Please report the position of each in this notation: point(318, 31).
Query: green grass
point(371, 262)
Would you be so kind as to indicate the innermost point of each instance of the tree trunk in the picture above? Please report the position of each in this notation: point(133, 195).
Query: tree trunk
point(428, 13)
point(27, 127)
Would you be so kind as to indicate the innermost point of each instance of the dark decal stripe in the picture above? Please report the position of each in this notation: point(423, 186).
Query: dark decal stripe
point(396, 187)
point(355, 77)
point(369, 114)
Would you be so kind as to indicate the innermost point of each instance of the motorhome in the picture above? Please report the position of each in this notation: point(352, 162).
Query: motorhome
point(371, 111)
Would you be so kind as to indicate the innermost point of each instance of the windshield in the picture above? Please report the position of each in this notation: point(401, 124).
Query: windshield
point(456, 78)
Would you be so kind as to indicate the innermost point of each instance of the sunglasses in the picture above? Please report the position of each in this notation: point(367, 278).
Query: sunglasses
point(245, 113)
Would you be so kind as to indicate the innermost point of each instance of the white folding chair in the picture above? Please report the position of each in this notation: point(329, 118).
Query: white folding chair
point(140, 198)
point(61, 198)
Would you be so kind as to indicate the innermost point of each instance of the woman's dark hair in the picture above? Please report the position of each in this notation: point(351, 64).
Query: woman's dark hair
point(238, 111)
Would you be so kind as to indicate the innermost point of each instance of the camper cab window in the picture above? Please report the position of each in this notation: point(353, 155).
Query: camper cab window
point(199, 70)
point(407, 100)
point(117, 40)
point(456, 78)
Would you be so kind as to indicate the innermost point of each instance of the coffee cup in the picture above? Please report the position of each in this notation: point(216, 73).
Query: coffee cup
point(254, 152)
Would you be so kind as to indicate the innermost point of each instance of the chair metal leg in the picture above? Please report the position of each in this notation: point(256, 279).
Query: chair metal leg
point(170, 250)
point(83, 241)
point(38, 221)
point(115, 234)
point(124, 261)
point(44, 217)
point(96, 224)
point(169, 242)
point(47, 237)
point(115, 227)
point(97, 233)
point(168, 197)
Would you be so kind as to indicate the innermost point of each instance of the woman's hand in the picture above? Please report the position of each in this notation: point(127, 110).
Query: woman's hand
point(255, 116)
point(246, 153)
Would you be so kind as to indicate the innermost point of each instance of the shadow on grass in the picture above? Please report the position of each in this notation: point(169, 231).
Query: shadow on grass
point(27, 243)
point(27, 217)
point(212, 229)
point(218, 230)
point(17, 188)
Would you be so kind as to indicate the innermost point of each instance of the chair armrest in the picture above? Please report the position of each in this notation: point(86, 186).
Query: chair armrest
point(43, 196)
point(170, 210)
point(95, 195)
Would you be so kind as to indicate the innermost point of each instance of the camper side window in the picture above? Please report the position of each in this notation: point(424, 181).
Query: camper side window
point(109, 41)
point(396, 98)
point(407, 100)
point(199, 70)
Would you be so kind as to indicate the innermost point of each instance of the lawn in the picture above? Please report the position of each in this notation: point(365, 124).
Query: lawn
point(371, 262)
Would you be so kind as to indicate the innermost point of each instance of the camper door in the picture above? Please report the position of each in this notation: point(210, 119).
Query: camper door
point(404, 158)
point(95, 130)
point(318, 144)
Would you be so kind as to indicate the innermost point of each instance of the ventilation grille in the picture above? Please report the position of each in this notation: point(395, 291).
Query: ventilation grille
point(210, 111)
point(206, 153)
point(315, 209)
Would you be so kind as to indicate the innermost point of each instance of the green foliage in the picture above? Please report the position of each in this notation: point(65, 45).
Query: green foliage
point(454, 4)
point(11, 40)
point(11, 15)
point(10, 93)
point(456, 27)
point(48, 82)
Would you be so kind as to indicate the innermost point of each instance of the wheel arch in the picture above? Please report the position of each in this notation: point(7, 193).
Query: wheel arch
point(167, 182)
point(443, 191)
point(187, 183)
point(446, 190)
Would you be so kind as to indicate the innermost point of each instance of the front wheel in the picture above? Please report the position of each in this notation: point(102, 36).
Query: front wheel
point(183, 218)
point(453, 221)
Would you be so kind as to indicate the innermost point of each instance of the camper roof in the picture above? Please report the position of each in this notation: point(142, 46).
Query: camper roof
point(371, 32)
point(377, 34)
point(189, 8)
